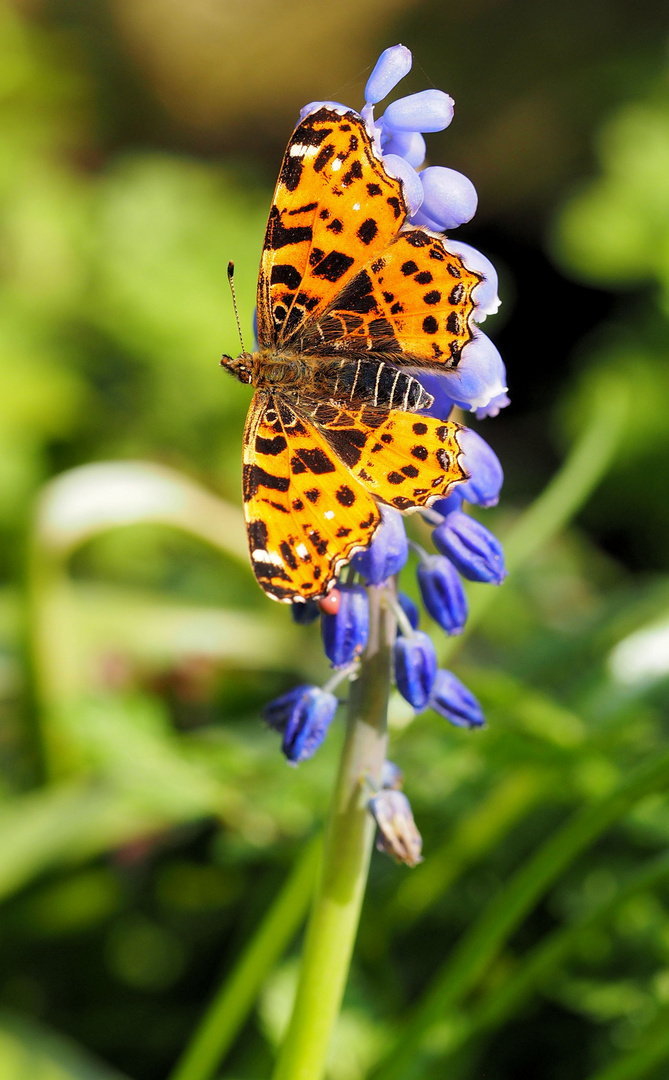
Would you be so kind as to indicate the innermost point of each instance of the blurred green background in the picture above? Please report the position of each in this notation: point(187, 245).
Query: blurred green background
point(147, 819)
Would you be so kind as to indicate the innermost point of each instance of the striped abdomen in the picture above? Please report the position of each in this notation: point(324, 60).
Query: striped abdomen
point(371, 382)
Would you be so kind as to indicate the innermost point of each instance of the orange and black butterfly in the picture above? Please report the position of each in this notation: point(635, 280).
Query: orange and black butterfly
point(350, 296)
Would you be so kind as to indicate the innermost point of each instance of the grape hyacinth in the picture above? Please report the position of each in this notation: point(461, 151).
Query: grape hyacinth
point(439, 199)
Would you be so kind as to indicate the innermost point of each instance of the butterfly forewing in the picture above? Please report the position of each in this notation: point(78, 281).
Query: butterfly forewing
point(334, 206)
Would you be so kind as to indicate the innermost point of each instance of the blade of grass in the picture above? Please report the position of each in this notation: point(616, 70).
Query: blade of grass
point(534, 968)
point(641, 1062)
point(232, 1003)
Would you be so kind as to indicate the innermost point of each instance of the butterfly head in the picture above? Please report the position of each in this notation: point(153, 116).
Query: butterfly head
point(241, 366)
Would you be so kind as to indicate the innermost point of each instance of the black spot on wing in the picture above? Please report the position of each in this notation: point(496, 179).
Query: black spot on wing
point(333, 266)
point(345, 496)
point(368, 230)
point(291, 172)
point(419, 452)
point(278, 236)
point(254, 478)
point(257, 533)
point(285, 274)
point(315, 460)
point(453, 323)
point(347, 444)
point(418, 239)
point(424, 278)
point(395, 478)
point(409, 267)
point(432, 297)
point(323, 156)
point(271, 447)
point(421, 429)
point(303, 209)
point(288, 556)
point(335, 226)
point(430, 324)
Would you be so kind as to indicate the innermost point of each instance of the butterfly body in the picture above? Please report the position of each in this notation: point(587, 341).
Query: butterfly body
point(350, 297)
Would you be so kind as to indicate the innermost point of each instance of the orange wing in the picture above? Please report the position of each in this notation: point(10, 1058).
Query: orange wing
point(333, 208)
point(412, 302)
point(402, 459)
point(305, 515)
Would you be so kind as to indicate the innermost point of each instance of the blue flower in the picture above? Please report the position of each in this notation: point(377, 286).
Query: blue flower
point(415, 668)
point(472, 548)
point(302, 716)
point(451, 699)
point(485, 471)
point(449, 199)
point(442, 593)
point(345, 634)
point(391, 67)
point(388, 551)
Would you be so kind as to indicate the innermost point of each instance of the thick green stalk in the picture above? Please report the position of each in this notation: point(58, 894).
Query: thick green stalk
point(348, 843)
point(232, 1003)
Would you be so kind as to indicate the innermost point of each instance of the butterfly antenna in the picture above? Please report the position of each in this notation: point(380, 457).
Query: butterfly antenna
point(231, 274)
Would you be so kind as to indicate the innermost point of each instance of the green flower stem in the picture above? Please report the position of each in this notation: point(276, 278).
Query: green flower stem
point(482, 942)
point(348, 843)
point(235, 998)
point(560, 501)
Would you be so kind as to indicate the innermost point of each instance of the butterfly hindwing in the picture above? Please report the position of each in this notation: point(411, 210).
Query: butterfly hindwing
point(412, 302)
point(334, 207)
point(401, 458)
point(305, 514)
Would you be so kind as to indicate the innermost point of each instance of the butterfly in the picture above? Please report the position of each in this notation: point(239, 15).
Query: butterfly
point(351, 299)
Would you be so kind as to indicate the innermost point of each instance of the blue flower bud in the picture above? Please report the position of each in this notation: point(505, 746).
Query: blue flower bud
point(345, 634)
point(392, 65)
point(451, 699)
point(472, 548)
point(409, 608)
point(388, 551)
point(302, 716)
point(449, 199)
point(415, 668)
point(442, 593)
point(429, 110)
point(409, 145)
point(398, 835)
point(452, 502)
point(305, 613)
point(485, 472)
point(413, 189)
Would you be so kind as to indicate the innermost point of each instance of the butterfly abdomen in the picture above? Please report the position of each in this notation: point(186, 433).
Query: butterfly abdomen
point(369, 381)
